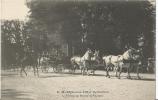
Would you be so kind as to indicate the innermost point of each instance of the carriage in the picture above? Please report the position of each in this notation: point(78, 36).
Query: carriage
point(56, 63)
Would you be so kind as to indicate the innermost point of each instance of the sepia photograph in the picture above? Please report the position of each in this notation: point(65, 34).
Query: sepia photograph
point(78, 50)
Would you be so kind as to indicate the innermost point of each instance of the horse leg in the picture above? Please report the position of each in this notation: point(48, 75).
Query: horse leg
point(93, 71)
point(138, 72)
point(44, 68)
point(41, 68)
point(112, 68)
point(87, 64)
point(74, 69)
point(54, 69)
point(84, 68)
point(106, 67)
point(23, 69)
point(128, 71)
point(47, 68)
point(37, 69)
point(87, 71)
point(107, 72)
point(21, 72)
point(120, 72)
point(83, 71)
point(25, 72)
point(34, 70)
point(116, 70)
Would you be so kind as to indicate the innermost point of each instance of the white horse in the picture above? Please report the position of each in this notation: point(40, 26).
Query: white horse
point(131, 58)
point(119, 61)
point(112, 61)
point(82, 62)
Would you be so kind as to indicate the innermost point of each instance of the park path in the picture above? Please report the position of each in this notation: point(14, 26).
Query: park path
point(49, 86)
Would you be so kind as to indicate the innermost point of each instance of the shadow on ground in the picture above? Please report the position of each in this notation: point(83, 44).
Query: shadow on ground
point(71, 74)
point(9, 74)
point(60, 75)
point(144, 79)
point(12, 94)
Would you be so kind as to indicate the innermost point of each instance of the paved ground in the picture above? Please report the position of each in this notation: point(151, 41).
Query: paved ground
point(54, 86)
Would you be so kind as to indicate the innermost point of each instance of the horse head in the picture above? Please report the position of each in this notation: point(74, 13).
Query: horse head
point(96, 55)
point(87, 55)
point(131, 53)
point(127, 55)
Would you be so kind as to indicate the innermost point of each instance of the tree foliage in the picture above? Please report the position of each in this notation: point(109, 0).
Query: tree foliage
point(107, 26)
point(13, 40)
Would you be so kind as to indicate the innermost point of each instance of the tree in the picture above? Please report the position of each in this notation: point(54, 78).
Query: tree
point(13, 40)
point(96, 24)
point(37, 36)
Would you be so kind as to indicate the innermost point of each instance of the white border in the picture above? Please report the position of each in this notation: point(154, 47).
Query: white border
point(0, 62)
point(156, 52)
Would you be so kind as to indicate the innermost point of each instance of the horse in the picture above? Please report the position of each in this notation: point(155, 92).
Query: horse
point(111, 61)
point(29, 59)
point(120, 61)
point(82, 62)
point(131, 58)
